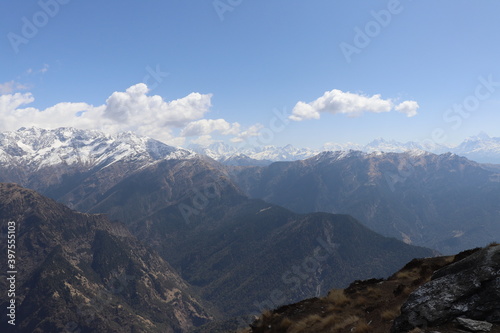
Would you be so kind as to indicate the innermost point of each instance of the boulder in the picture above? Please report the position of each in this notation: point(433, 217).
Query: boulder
point(467, 288)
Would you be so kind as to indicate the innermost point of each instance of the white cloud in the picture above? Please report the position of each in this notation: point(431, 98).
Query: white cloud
point(62, 114)
point(9, 103)
point(303, 111)
point(353, 105)
point(132, 110)
point(208, 126)
point(408, 107)
point(134, 107)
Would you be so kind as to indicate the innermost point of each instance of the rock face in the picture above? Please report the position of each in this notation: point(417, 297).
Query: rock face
point(469, 288)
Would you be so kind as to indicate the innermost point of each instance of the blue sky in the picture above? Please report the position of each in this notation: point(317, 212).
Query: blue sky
point(224, 69)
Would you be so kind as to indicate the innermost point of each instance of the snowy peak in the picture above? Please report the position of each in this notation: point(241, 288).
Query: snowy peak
point(481, 148)
point(35, 148)
point(482, 136)
point(332, 156)
point(385, 146)
point(287, 153)
point(217, 150)
point(222, 152)
point(333, 146)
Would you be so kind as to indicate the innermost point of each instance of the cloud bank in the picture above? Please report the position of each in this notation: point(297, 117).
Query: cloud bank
point(350, 104)
point(131, 110)
point(172, 122)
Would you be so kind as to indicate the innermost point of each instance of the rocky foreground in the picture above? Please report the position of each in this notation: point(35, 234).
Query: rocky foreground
point(458, 293)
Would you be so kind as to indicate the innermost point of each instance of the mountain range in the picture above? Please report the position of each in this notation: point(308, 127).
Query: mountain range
point(416, 196)
point(481, 148)
point(42, 147)
point(34, 148)
point(234, 238)
point(236, 253)
point(445, 202)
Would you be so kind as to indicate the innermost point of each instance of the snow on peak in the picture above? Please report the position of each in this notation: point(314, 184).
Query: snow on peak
point(481, 148)
point(482, 136)
point(35, 148)
point(220, 151)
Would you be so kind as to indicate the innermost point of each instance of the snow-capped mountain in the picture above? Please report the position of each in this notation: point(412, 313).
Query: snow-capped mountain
point(253, 155)
point(230, 155)
point(481, 148)
point(388, 146)
point(34, 148)
point(215, 150)
point(334, 146)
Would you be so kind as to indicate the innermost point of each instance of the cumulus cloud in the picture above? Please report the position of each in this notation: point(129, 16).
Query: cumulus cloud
point(63, 114)
point(408, 107)
point(208, 126)
point(135, 106)
point(10, 102)
point(353, 105)
point(132, 110)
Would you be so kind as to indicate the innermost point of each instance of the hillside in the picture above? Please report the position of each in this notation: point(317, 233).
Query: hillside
point(444, 202)
point(427, 295)
point(81, 272)
point(237, 251)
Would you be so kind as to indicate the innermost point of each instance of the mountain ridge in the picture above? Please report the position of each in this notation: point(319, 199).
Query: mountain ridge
point(35, 148)
point(427, 295)
point(43, 148)
point(481, 148)
point(445, 202)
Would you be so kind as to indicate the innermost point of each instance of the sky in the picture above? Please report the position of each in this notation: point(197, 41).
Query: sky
point(260, 72)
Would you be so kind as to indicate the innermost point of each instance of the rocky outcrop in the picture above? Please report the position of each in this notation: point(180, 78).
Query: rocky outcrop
point(469, 288)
